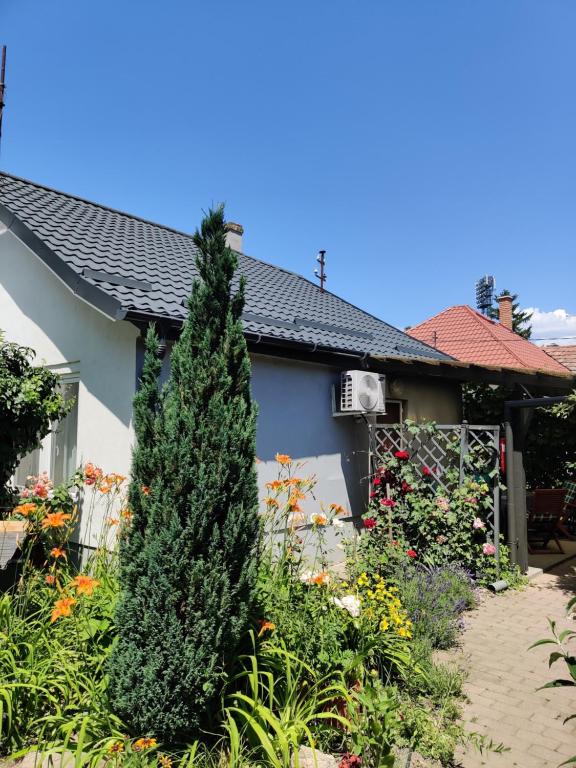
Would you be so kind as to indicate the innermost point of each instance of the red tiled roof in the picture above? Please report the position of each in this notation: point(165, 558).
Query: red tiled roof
point(564, 354)
point(468, 336)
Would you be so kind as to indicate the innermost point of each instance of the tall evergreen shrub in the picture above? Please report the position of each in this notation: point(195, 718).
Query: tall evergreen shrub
point(188, 565)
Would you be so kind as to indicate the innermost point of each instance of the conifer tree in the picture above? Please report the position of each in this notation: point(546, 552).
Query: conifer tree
point(188, 568)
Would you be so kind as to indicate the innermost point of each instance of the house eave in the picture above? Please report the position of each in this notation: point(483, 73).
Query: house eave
point(87, 292)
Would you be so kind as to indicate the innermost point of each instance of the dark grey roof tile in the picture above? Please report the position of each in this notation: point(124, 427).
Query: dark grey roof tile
point(91, 237)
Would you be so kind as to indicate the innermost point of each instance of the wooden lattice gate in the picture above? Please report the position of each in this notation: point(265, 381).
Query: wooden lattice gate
point(446, 447)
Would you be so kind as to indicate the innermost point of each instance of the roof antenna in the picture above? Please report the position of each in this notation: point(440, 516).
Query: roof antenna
point(322, 276)
point(2, 85)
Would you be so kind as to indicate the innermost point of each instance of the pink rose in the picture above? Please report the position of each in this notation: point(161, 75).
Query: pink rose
point(387, 502)
point(478, 524)
point(488, 549)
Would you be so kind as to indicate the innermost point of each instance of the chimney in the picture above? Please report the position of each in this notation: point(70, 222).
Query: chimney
point(505, 311)
point(234, 234)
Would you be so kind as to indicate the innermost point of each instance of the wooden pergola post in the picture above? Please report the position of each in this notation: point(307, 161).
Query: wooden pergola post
point(517, 417)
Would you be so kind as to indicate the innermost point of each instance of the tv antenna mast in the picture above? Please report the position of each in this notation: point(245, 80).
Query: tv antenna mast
point(485, 293)
point(322, 276)
point(2, 85)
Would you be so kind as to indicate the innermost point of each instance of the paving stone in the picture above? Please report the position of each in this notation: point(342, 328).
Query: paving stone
point(502, 697)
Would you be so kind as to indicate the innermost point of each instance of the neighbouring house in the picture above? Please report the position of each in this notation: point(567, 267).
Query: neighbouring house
point(468, 336)
point(79, 283)
point(564, 354)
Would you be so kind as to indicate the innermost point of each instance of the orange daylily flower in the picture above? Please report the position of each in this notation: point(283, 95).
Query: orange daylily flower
point(85, 585)
point(24, 509)
point(57, 552)
point(126, 514)
point(266, 626)
point(296, 495)
point(92, 474)
point(321, 578)
point(338, 509)
point(318, 519)
point(50, 579)
point(62, 607)
point(144, 743)
point(112, 521)
point(55, 520)
point(276, 485)
point(283, 458)
point(270, 502)
point(146, 490)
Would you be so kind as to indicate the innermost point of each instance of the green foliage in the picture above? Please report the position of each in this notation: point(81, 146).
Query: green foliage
point(277, 702)
point(188, 569)
point(375, 716)
point(409, 510)
point(520, 318)
point(29, 403)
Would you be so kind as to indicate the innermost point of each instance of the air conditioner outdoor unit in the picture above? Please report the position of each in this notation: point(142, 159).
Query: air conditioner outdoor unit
point(362, 392)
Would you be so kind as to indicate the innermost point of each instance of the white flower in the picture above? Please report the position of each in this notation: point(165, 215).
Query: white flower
point(337, 523)
point(306, 576)
point(348, 603)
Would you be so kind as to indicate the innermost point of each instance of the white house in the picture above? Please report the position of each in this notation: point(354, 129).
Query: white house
point(79, 282)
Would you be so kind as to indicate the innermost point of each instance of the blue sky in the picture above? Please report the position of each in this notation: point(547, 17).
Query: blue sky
point(422, 144)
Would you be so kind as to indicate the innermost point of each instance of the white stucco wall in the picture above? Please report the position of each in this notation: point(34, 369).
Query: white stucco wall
point(39, 311)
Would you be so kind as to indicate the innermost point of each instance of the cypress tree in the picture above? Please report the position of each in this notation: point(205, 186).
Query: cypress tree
point(188, 566)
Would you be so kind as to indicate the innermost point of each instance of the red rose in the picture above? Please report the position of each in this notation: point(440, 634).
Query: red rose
point(377, 480)
point(387, 502)
point(427, 472)
point(411, 553)
point(405, 487)
point(373, 494)
point(402, 455)
point(369, 523)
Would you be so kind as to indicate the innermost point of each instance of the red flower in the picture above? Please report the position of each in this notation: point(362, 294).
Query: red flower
point(373, 494)
point(369, 523)
point(405, 487)
point(350, 761)
point(402, 455)
point(377, 480)
point(411, 553)
point(387, 502)
point(426, 471)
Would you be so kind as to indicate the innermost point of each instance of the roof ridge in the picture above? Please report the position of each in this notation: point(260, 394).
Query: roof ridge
point(97, 205)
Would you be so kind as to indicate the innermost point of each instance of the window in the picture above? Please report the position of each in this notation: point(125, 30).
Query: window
point(394, 413)
point(57, 453)
point(63, 448)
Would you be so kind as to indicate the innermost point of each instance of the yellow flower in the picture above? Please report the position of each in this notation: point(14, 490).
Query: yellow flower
point(164, 761)
point(144, 743)
point(384, 625)
point(116, 747)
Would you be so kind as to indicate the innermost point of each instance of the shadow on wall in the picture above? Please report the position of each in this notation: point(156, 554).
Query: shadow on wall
point(295, 417)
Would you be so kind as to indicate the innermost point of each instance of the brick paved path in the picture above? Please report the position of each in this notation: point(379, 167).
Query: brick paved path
point(504, 675)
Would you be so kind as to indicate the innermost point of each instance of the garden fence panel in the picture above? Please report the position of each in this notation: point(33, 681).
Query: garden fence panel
point(442, 448)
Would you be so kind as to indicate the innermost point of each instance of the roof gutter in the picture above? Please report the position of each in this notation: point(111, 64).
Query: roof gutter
point(80, 287)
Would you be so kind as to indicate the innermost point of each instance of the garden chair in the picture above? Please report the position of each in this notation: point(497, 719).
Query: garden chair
point(545, 518)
